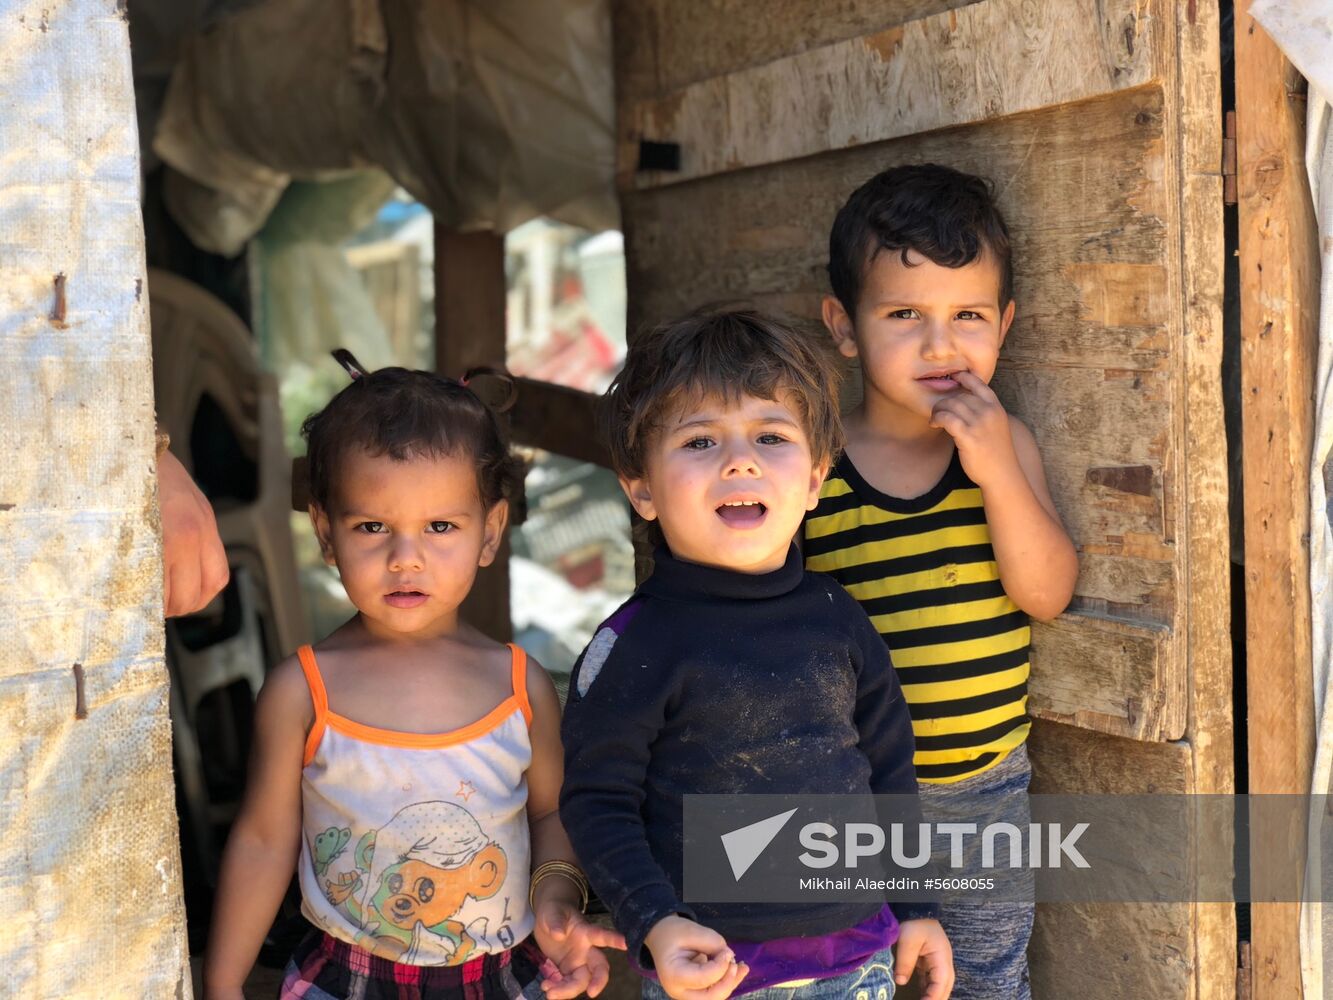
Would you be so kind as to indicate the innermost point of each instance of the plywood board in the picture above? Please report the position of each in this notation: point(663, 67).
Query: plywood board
point(664, 45)
point(945, 69)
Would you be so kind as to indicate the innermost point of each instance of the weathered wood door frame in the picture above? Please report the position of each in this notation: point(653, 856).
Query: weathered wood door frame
point(1279, 292)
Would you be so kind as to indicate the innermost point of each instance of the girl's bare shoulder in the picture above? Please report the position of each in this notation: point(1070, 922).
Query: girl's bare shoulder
point(286, 693)
point(481, 651)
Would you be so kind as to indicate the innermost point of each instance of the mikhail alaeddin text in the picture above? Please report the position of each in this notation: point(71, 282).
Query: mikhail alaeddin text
point(825, 884)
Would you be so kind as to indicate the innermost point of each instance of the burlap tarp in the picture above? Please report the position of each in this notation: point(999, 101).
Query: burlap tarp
point(89, 860)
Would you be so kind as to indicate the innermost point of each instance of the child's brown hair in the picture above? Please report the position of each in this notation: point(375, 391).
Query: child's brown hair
point(724, 355)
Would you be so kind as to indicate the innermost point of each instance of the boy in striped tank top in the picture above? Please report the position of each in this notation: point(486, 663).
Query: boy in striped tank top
point(937, 518)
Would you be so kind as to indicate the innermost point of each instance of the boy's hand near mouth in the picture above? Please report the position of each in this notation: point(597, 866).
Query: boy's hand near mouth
point(976, 420)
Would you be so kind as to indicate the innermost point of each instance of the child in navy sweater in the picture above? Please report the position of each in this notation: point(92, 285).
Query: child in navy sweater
point(733, 670)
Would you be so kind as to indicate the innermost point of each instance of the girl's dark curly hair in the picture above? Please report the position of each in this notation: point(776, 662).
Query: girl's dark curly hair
point(405, 414)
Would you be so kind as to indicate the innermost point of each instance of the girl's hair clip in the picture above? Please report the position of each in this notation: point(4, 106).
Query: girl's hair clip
point(351, 366)
point(493, 386)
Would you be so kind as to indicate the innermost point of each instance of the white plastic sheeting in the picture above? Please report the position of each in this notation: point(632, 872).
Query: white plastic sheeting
point(1304, 31)
point(490, 112)
point(89, 862)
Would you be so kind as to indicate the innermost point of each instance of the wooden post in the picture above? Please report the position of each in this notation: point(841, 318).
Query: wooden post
point(559, 419)
point(1211, 723)
point(1278, 296)
point(470, 331)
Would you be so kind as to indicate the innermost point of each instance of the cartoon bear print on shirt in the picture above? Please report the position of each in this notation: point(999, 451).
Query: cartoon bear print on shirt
point(413, 875)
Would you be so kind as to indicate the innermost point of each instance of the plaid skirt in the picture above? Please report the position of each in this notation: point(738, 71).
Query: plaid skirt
point(324, 968)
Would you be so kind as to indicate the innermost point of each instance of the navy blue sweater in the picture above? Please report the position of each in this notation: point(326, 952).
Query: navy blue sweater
point(708, 681)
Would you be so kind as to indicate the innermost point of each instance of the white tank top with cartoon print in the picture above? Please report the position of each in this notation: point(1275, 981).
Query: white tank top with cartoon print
point(415, 847)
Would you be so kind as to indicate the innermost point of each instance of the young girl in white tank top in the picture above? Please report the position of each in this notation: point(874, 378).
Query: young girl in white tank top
point(407, 766)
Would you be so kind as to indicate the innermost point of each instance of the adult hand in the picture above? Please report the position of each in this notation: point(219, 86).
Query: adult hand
point(194, 563)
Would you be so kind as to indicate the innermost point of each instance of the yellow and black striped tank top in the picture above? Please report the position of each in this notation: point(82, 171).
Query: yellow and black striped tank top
point(925, 572)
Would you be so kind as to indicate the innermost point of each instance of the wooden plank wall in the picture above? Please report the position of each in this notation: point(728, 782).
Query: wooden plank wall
point(1100, 124)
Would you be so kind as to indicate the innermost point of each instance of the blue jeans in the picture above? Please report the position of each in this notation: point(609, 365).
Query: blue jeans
point(872, 981)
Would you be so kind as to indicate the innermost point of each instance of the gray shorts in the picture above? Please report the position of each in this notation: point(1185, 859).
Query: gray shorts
point(989, 939)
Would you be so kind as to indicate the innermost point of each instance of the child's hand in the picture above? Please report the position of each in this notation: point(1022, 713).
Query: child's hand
point(692, 961)
point(976, 420)
point(923, 942)
point(571, 943)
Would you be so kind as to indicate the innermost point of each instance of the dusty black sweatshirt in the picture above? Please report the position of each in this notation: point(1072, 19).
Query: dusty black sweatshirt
point(709, 681)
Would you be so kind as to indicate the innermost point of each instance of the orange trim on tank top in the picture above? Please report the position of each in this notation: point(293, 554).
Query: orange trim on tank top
point(518, 681)
point(319, 696)
point(324, 716)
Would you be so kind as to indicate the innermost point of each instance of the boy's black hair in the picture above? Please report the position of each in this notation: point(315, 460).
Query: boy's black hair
point(405, 414)
point(726, 354)
point(947, 216)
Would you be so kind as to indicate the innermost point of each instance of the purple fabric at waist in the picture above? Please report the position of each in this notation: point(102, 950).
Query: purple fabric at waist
point(783, 960)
